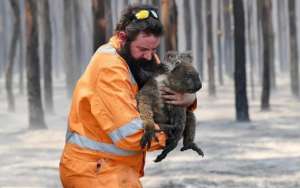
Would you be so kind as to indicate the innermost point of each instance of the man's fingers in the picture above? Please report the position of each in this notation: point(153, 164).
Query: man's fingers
point(173, 102)
point(169, 97)
point(167, 90)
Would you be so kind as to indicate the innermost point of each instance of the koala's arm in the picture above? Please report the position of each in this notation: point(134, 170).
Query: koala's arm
point(145, 108)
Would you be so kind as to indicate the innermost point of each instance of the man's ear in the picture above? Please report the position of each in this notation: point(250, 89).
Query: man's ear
point(122, 36)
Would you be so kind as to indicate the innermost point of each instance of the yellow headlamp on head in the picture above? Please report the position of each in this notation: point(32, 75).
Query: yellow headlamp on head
point(144, 14)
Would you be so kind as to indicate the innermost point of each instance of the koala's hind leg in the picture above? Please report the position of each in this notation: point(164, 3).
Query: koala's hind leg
point(166, 150)
point(189, 134)
point(178, 123)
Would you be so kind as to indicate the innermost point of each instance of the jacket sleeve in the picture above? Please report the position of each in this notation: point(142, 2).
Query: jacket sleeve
point(115, 109)
point(193, 106)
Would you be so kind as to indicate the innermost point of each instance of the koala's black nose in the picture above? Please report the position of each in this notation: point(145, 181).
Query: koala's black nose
point(198, 85)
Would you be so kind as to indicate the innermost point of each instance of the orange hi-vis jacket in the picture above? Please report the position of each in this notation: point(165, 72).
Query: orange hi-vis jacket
point(103, 139)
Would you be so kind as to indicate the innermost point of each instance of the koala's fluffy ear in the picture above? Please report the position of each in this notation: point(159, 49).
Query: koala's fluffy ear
point(171, 59)
point(186, 56)
point(170, 55)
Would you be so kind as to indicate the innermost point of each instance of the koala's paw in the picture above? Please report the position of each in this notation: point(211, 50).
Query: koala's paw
point(194, 147)
point(159, 158)
point(147, 138)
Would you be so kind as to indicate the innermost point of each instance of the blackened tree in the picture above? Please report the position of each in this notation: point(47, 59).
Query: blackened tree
point(241, 101)
point(36, 113)
point(294, 69)
point(48, 88)
point(268, 47)
point(12, 54)
point(210, 52)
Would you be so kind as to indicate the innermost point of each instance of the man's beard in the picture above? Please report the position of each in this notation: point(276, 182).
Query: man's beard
point(141, 69)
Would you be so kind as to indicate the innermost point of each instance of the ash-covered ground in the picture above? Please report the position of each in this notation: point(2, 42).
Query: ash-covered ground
point(264, 153)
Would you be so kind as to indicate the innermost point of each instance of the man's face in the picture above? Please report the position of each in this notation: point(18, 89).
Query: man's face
point(144, 46)
point(139, 55)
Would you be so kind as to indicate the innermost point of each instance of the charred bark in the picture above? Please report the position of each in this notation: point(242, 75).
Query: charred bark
point(12, 54)
point(48, 88)
point(187, 25)
point(169, 20)
point(267, 49)
point(199, 37)
point(69, 55)
point(210, 54)
point(241, 101)
point(36, 113)
point(99, 23)
point(294, 67)
point(220, 34)
point(228, 53)
point(108, 18)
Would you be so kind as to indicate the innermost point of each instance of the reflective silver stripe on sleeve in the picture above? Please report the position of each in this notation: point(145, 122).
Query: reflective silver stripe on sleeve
point(85, 142)
point(126, 130)
point(107, 48)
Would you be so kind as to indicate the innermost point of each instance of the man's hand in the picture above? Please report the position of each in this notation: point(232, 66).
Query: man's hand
point(176, 98)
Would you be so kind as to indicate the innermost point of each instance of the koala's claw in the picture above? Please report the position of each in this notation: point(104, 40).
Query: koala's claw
point(147, 138)
point(194, 147)
point(159, 158)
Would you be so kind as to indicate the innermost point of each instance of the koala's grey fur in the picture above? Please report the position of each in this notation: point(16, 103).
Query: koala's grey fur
point(177, 73)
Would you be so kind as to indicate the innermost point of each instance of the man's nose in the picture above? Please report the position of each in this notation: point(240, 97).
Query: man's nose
point(148, 56)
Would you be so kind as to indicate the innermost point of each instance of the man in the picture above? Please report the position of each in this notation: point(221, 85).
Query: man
point(104, 129)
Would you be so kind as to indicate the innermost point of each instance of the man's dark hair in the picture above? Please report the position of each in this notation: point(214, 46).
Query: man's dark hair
point(133, 26)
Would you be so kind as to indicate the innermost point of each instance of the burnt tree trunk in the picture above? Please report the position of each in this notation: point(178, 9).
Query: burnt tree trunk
point(260, 41)
point(228, 38)
point(199, 37)
point(294, 69)
point(108, 18)
point(169, 20)
point(165, 4)
point(220, 42)
point(36, 113)
point(241, 101)
point(2, 38)
point(12, 54)
point(173, 24)
point(271, 44)
point(210, 54)
point(265, 7)
point(251, 49)
point(187, 25)
point(22, 46)
point(99, 23)
point(69, 45)
point(77, 41)
point(48, 88)
point(283, 34)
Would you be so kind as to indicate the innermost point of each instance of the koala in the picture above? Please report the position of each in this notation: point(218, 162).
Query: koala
point(177, 73)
